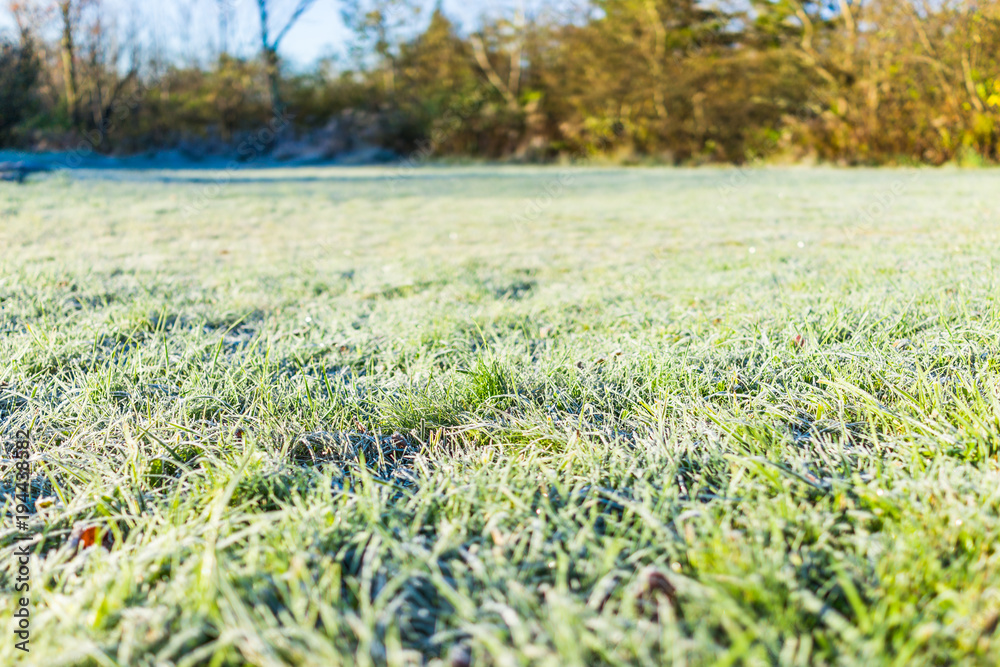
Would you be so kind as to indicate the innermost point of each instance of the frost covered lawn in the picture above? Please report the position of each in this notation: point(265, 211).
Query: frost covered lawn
point(506, 415)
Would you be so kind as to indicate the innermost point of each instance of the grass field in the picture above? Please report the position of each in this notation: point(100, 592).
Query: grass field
point(505, 416)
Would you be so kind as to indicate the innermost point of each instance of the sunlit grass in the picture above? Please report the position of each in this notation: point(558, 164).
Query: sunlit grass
point(379, 416)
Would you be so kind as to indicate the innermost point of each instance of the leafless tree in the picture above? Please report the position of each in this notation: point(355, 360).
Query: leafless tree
point(110, 60)
point(28, 16)
point(269, 43)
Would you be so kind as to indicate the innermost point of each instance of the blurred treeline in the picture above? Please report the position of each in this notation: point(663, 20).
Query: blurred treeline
point(857, 82)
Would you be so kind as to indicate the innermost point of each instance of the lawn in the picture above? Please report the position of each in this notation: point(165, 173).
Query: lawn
point(504, 416)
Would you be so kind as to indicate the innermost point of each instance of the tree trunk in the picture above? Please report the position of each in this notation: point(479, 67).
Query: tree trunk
point(68, 60)
point(269, 52)
point(273, 80)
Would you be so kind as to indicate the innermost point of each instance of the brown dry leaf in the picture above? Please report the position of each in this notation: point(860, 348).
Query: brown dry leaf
point(84, 537)
point(654, 588)
point(88, 537)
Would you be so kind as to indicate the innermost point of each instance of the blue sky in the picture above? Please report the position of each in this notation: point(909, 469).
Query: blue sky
point(321, 31)
point(189, 29)
point(318, 33)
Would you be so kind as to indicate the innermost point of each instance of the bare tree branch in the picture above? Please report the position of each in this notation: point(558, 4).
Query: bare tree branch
point(479, 49)
point(300, 9)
